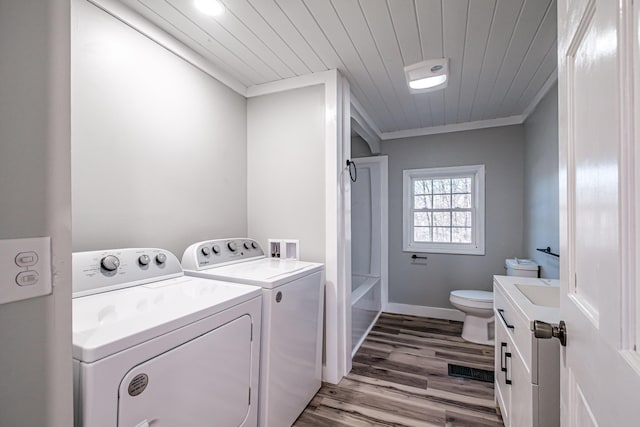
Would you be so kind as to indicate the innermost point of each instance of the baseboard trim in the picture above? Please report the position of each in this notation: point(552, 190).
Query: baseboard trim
point(424, 311)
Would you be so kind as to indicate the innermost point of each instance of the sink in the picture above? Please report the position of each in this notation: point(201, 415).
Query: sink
point(548, 296)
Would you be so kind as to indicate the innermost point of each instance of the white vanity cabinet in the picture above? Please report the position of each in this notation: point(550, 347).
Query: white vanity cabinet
point(527, 370)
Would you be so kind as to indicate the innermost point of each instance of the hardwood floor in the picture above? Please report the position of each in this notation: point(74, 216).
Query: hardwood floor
point(400, 378)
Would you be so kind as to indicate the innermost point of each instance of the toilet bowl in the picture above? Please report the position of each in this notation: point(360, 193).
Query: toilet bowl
point(478, 309)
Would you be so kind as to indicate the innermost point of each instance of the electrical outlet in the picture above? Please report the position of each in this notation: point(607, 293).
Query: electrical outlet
point(25, 268)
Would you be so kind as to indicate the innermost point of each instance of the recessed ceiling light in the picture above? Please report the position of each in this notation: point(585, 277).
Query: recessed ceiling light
point(428, 82)
point(427, 76)
point(210, 7)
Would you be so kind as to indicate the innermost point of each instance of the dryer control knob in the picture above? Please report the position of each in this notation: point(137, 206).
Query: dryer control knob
point(216, 249)
point(232, 246)
point(254, 245)
point(205, 251)
point(110, 263)
point(161, 258)
point(144, 260)
point(247, 245)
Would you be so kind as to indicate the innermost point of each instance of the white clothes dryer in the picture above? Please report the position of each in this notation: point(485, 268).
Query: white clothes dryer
point(152, 347)
point(292, 314)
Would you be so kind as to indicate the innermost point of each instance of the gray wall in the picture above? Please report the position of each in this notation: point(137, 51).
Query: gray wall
point(159, 148)
point(541, 209)
point(35, 334)
point(501, 150)
point(359, 147)
point(285, 161)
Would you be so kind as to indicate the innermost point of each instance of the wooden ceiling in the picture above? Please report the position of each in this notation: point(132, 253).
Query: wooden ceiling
point(502, 52)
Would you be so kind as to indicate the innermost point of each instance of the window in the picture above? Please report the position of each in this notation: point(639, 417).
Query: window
point(444, 210)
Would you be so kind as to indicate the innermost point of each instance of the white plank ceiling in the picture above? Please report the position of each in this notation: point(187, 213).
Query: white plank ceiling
point(502, 52)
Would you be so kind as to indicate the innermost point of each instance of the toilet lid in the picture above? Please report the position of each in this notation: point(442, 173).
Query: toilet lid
point(471, 295)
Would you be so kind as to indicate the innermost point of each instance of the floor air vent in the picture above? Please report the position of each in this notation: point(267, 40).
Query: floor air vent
point(471, 373)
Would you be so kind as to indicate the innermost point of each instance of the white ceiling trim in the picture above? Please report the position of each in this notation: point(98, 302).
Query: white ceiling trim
point(323, 77)
point(362, 129)
point(456, 127)
point(364, 126)
point(137, 22)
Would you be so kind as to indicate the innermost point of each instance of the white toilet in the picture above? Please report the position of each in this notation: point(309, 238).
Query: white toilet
point(478, 305)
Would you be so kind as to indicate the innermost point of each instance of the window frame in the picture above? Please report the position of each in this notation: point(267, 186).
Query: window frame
point(476, 247)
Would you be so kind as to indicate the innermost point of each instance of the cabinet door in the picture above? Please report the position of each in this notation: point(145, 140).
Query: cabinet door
point(521, 391)
point(502, 389)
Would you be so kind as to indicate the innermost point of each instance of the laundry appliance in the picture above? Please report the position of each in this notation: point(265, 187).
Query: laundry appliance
point(153, 347)
point(292, 309)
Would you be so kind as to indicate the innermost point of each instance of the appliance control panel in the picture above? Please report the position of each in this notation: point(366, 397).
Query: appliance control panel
point(25, 268)
point(218, 252)
point(106, 270)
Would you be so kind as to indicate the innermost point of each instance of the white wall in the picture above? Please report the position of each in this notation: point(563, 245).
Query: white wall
point(286, 169)
point(35, 343)
point(159, 147)
point(501, 150)
point(541, 198)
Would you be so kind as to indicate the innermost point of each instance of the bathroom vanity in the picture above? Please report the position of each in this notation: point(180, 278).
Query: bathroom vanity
point(527, 380)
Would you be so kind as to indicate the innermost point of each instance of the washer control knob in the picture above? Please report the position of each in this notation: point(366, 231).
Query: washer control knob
point(254, 245)
point(216, 249)
point(205, 251)
point(144, 260)
point(232, 246)
point(247, 245)
point(161, 258)
point(110, 263)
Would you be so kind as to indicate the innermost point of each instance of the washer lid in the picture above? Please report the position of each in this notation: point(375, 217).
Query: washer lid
point(472, 295)
point(266, 272)
point(106, 323)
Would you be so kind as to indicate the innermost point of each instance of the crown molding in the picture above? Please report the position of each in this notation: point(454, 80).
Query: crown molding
point(455, 127)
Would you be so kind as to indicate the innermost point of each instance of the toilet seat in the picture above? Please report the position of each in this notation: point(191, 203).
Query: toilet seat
point(472, 298)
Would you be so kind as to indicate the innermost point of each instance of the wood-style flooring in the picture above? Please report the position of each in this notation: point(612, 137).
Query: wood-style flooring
point(400, 378)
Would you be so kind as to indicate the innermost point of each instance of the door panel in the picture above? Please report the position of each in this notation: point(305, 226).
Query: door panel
point(203, 382)
point(599, 386)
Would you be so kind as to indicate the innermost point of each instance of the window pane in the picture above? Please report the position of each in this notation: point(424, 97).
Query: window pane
point(442, 201)
point(441, 234)
point(442, 218)
point(422, 202)
point(422, 218)
point(441, 186)
point(461, 235)
point(461, 185)
point(461, 219)
point(462, 201)
point(422, 186)
point(422, 234)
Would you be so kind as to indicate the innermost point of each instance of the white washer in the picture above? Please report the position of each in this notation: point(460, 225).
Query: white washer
point(152, 346)
point(291, 350)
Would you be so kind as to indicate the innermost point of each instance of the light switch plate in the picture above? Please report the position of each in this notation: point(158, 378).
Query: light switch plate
point(25, 268)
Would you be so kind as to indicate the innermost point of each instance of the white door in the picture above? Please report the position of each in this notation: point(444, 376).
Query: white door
point(600, 365)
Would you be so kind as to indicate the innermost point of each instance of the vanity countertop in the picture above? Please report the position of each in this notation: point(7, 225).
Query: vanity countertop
point(507, 284)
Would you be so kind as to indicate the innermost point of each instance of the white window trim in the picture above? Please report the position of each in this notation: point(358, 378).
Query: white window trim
point(477, 245)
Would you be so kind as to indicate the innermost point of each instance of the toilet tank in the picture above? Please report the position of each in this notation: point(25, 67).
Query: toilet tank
point(521, 267)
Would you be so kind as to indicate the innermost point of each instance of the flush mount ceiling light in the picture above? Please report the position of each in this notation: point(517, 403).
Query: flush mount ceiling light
point(210, 7)
point(427, 76)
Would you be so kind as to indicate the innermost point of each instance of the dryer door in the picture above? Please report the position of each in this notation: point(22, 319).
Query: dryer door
point(204, 382)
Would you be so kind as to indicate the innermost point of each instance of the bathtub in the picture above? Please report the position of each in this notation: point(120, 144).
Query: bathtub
point(365, 307)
